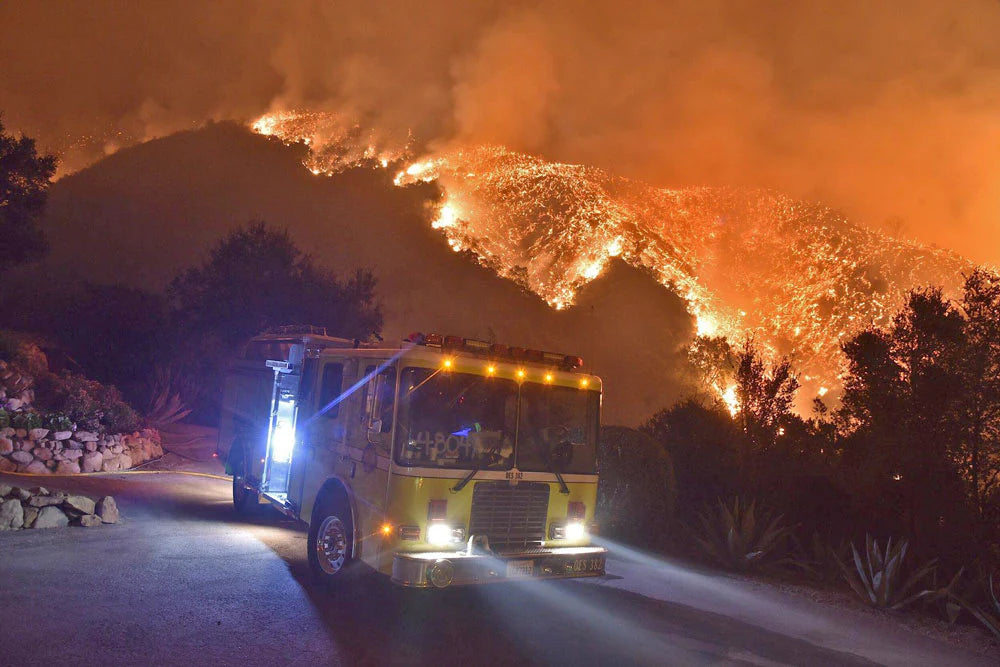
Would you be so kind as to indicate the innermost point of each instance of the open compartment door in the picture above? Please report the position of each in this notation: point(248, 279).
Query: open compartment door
point(281, 430)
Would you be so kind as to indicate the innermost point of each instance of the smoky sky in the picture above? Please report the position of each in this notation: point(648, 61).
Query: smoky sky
point(887, 110)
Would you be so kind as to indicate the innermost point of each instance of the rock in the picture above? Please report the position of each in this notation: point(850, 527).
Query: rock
point(85, 436)
point(62, 435)
point(107, 509)
point(117, 449)
point(21, 433)
point(22, 457)
point(6, 465)
point(20, 493)
point(125, 461)
point(30, 514)
point(25, 445)
point(71, 453)
point(51, 517)
point(90, 520)
point(90, 446)
point(38, 433)
point(92, 462)
point(110, 463)
point(73, 444)
point(68, 468)
point(13, 404)
point(50, 464)
point(44, 501)
point(11, 515)
point(5, 490)
point(42, 454)
point(6, 446)
point(7, 432)
point(38, 491)
point(79, 504)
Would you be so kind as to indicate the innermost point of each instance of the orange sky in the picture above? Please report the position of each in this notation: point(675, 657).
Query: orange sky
point(888, 110)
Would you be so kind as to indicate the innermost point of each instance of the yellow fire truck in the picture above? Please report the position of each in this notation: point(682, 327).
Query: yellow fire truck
point(444, 461)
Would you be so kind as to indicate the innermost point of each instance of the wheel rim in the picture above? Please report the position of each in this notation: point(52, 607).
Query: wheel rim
point(331, 545)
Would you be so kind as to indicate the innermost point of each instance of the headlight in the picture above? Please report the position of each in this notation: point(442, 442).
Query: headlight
point(574, 530)
point(441, 534)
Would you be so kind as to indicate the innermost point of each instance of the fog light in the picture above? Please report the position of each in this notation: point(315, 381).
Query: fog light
point(440, 534)
point(441, 573)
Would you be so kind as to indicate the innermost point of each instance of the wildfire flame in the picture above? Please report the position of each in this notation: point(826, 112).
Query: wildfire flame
point(799, 277)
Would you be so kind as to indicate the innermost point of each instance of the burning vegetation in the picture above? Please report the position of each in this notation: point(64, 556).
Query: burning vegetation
point(799, 277)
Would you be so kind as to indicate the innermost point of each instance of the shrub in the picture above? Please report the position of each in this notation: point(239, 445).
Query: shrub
point(741, 537)
point(89, 404)
point(57, 422)
point(878, 578)
point(26, 419)
point(635, 495)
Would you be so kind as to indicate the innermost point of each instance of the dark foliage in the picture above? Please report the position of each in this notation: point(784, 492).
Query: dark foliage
point(636, 489)
point(255, 279)
point(24, 183)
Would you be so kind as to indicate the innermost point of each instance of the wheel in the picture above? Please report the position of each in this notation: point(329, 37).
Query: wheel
point(329, 544)
point(244, 500)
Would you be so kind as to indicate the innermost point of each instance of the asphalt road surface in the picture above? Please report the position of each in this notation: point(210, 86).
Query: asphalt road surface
point(185, 581)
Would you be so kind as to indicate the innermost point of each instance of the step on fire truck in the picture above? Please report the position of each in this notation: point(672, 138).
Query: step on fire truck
point(445, 461)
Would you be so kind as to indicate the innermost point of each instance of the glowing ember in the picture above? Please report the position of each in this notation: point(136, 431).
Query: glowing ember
point(800, 277)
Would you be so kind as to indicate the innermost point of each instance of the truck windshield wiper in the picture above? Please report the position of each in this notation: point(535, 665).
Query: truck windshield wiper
point(472, 473)
point(555, 471)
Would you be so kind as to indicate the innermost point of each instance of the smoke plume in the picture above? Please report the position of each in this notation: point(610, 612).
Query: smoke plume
point(888, 111)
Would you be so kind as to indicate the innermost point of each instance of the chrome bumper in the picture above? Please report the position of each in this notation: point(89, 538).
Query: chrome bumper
point(440, 569)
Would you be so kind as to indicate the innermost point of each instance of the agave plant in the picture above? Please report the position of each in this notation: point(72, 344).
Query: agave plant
point(741, 537)
point(989, 617)
point(878, 578)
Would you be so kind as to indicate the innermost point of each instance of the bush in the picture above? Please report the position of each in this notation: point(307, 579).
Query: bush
point(26, 419)
point(636, 492)
point(57, 422)
point(89, 404)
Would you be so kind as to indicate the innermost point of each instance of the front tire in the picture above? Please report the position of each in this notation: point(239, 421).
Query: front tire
point(330, 538)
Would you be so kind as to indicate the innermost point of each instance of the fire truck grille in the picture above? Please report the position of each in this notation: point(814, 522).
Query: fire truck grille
point(512, 517)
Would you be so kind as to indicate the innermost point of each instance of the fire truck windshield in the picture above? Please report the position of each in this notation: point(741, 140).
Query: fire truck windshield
point(466, 421)
point(558, 429)
point(455, 420)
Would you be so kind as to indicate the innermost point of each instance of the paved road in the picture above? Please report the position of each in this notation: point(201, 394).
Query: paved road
point(184, 581)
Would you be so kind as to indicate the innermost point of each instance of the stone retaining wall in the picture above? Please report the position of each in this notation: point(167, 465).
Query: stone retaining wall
point(42, 451)
point(39, 508)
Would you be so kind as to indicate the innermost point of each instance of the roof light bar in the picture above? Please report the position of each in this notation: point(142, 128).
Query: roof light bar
point(495, 350)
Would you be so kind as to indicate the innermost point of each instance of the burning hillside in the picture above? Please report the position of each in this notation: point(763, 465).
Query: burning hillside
point(799, 276)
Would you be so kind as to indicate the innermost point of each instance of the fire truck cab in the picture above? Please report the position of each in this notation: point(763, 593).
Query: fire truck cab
point(444, 461)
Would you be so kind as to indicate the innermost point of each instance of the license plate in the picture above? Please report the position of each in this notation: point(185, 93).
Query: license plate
point(518, 569)
point(583, 565)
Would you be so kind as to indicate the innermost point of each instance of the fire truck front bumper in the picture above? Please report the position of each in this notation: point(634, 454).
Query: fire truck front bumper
point(441, 569)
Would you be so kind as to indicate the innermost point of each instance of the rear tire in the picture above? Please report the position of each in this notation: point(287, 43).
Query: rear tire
point(331, 535)
point(244, 500)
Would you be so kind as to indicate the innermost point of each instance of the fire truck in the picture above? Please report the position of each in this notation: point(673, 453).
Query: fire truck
point(444, 461)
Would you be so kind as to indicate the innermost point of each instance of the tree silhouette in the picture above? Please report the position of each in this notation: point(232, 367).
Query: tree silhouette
point(24, 183)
